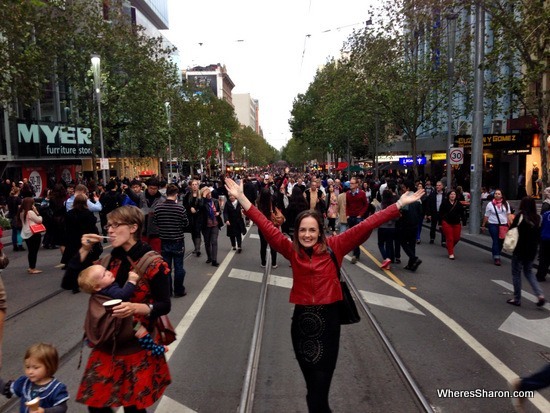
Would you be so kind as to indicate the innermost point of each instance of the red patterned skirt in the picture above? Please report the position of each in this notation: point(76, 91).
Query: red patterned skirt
point(137, 379)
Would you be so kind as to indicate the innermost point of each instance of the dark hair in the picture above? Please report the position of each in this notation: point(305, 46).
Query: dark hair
point(297, 198)
point(388, 198)
point(528, 208)
point(153, 182)
point(111, 185)
point(320, 222)
point(172, 190)
point(409, 184)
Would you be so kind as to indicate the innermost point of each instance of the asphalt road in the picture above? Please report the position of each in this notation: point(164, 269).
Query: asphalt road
point(449, 323)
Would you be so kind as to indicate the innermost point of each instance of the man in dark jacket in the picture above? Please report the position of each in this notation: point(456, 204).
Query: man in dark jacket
point(356, 208)
point(251, 192)
point(407, 226)
point(110, 200)
point(433, 203)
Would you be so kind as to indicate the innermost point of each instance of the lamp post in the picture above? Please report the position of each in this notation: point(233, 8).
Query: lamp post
point(169, 119)
point(451, 33)
point(96, 69)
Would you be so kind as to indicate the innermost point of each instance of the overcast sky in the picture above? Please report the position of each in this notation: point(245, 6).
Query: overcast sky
point(264, 46)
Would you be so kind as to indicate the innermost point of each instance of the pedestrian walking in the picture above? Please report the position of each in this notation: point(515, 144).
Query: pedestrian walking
point(266, 207)
point(407, 226)
point(497, 216)
point(528, 223)
point(387, 231)
point(433, 204)
point(211, 225)
point(192, 202)
point(170, 217)
point(536, 381)
point(342, 217)
point(316, 291)
point(41, 362)
point(13, 203)
point(332, 208)
point(544, 251)
point(356, 208)
point(28, 215)
point(451, 215)
point(234, 222)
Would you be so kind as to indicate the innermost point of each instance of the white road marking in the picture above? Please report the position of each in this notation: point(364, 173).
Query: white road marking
point(508, 374)
point(524, 294)
point(537, 331)
point(168, 405)
point(395, 303)
point(274, 280)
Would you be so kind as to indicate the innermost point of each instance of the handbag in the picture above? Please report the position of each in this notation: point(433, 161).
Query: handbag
point(277, 217)
point(346, 306)
point(4, 260)
point(502, 228)
point(166, 333)
point(37, 228)
point(511, 238)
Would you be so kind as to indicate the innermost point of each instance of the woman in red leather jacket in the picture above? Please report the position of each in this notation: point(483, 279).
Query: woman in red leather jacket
point(316, 289)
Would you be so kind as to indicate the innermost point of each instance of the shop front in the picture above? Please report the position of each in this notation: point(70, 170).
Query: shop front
point(504, 161)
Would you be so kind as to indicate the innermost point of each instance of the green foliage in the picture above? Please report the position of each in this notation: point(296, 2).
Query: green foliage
point(5, 223)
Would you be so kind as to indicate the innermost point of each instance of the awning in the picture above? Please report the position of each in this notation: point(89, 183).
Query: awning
point(392, 166)
point(341, 166)
point(147, 172)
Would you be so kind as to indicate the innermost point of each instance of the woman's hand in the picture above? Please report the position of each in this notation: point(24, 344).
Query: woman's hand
point(237, 192)
point(126, 309)
point(88, 240)
point(408, 198)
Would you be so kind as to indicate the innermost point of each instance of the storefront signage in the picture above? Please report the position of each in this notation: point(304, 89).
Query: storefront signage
point(53, 140)
point(497, 141)
point(439, 156)
point(420, 160)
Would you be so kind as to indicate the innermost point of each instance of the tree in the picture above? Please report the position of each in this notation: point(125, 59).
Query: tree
point(521, 29)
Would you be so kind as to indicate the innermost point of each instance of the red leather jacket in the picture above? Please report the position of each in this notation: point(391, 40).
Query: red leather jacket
point(315, 280)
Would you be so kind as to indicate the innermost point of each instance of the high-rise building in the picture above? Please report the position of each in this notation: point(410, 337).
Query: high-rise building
point(247, 110)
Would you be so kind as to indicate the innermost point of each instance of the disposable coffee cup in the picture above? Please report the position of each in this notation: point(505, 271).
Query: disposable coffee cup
point(110, 304)
point(34, 404)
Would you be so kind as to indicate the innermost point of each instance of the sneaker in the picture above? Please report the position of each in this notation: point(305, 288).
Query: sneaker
point(239, 250)
point(198, 253)
point(234, 249)
point(274, 266)
point(517, 402)
point(208, 261)
point(262, 265)
point(386, 264)
point(451, 257)
point(354, 260)
point(215, 264)
point(418, 241)
point(497, 262)
point(443, 244)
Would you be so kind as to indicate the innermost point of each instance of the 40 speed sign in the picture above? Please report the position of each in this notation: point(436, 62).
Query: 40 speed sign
point(456, 156)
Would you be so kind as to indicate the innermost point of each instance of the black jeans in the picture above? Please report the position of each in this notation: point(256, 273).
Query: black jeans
point(263, 251)
point(353, 221)
point(408, 243)
point(433, 226)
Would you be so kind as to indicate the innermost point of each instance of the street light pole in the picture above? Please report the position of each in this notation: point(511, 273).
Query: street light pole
point(96, 69)
point(451, 33)
point(169, 119)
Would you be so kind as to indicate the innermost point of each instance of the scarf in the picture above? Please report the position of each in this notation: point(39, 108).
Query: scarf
point(497, 203)
point(210, 208)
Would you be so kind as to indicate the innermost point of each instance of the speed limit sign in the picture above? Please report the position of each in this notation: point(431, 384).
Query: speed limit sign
point(456, 156)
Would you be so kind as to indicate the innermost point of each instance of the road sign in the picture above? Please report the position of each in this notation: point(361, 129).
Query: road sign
point(456, 156)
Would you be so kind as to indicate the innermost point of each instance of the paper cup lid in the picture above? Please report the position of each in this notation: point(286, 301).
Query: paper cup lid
point(111, 303)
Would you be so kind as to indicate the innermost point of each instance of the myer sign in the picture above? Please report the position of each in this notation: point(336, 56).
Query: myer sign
point(53, 140)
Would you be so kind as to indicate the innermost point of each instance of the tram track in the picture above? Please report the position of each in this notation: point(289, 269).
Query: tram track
point(250, 378)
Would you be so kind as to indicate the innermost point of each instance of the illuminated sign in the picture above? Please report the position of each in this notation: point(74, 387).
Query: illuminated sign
point(420, 160)
point(439, 156)
point(509, 141)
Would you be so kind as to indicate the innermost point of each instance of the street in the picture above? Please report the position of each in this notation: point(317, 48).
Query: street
point(449, 323)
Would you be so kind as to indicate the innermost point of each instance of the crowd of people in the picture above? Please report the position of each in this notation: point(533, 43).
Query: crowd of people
point(307, 218)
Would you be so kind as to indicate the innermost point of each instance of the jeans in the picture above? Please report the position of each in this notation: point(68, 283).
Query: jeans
point(210, 235)
point(526, 265)
point(386, 237)
point(539, 380)
point(544, 259)
point(353, 221)
point(497, 242)
point(173, 253)
point(127, 409)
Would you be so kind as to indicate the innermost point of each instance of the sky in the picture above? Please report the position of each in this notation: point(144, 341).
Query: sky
point(271, 49)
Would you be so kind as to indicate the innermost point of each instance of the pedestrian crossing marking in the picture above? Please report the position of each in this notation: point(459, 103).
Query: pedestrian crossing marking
point(395, 303)
point(274, 280)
